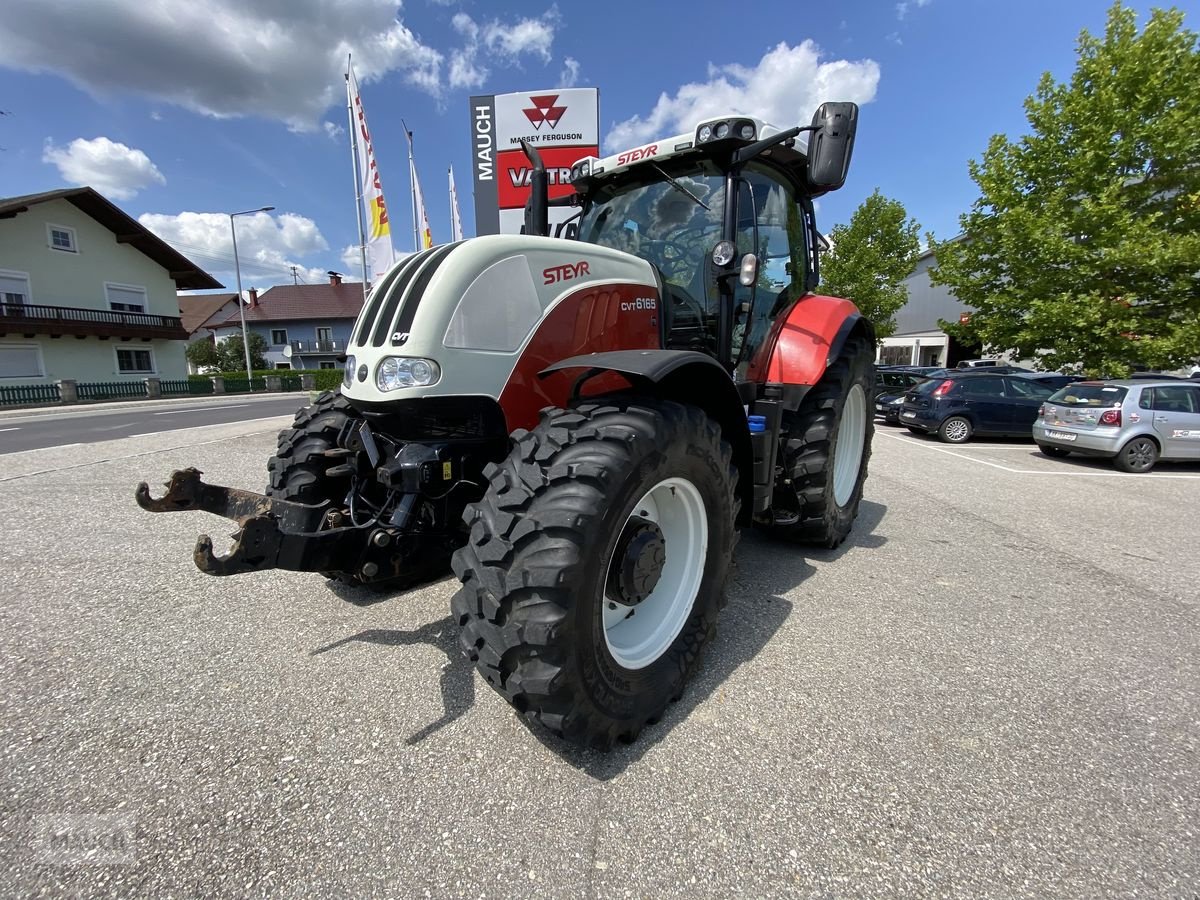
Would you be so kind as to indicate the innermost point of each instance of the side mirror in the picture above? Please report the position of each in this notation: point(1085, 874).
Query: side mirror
point(830, 145)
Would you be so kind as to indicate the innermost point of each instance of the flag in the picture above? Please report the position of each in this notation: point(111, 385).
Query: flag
point(425, 235)
point(377, 225)
point(455, 218)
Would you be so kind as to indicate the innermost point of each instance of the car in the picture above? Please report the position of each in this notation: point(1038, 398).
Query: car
point(887, 407)
point(892, 381)
point(978, 363)
point(1052, 380)
point(1133, 422)
point(964, 404)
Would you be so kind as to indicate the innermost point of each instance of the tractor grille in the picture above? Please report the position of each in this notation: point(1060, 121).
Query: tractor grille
point(394, 304)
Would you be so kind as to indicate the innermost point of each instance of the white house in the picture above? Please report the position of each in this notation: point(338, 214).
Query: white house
point(87, 293)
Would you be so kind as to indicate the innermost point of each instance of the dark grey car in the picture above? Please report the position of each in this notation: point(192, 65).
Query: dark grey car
point(1135, 423)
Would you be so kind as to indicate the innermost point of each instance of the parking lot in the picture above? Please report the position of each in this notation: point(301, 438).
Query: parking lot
point(991, 688)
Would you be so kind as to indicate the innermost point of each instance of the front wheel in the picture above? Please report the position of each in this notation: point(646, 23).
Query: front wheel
point(955, 430)
point(827, 443)
point(596, 564)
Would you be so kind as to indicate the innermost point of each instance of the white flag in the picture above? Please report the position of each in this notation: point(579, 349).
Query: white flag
point(425, 236)
point(455, 218)
point(380, 254)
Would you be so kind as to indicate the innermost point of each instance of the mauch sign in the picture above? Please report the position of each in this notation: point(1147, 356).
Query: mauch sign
point(564, 125)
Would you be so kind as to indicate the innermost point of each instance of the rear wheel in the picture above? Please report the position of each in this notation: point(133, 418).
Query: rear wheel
point(1054, 452)
point(955, 430)
point(596, 564)
point(1137, 456)
point(827, 446)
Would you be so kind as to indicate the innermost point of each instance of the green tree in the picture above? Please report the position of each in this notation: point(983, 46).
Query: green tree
point(1083, 248)
point(203, 355)
point(232, 357)
point(870, 259)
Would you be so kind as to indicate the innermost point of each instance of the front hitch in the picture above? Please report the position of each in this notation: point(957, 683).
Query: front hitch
point(274, 534)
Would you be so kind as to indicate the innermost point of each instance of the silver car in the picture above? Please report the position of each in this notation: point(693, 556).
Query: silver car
point(1133, 423)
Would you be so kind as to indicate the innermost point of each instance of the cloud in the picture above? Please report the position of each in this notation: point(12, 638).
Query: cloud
point(904, 6)
point(570, 73)
point(268, 246)
point(221, 58)
point(115, 170)
point(783, 88)
point(332, 130)
point(894, 37)
point(500, 43)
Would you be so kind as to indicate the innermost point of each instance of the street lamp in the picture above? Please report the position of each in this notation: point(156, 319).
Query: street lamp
point(238, 269)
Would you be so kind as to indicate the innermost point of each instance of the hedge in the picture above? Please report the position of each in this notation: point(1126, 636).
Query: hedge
point(326, 379)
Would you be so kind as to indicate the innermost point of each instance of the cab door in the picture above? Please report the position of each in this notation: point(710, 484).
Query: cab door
point(1176, 417)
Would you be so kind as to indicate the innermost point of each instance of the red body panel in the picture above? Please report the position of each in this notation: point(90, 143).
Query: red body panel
point(796, 349)
point(591, 320)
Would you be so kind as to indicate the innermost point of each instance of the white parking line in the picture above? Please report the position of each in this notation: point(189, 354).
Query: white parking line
point(176, 412)
point(995, 465)
point(10, 429)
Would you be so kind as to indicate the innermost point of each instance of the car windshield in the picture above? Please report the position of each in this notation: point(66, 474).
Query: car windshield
point(928, 387)
point(1093, 395)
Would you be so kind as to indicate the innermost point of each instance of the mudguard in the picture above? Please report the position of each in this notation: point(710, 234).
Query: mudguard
point(802, 343)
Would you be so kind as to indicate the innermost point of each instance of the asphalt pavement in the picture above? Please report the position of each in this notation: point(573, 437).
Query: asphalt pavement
point(990, 690)
point(39, 429)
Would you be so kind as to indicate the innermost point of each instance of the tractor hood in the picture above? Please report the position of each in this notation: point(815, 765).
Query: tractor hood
point(456, 319)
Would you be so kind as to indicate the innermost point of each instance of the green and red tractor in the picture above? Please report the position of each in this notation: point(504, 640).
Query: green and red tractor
point(579, 425)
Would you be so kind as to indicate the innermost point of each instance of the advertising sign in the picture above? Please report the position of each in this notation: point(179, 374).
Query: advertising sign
point(564, 126)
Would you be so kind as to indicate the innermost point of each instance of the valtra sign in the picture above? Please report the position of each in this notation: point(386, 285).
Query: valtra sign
point(564, 126)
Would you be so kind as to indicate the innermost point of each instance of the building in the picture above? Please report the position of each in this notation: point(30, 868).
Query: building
point(306, 326)
point(87, 293)
point(199, 311)
point(918, 339)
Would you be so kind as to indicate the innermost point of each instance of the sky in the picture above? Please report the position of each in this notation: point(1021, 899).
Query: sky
point(182, 111)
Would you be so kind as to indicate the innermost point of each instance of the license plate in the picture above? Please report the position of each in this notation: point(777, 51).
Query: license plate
point(908, 415)
point(1060, 435)
point(879, 407)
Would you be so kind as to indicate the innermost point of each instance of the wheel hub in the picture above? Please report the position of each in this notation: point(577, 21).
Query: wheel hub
point(638, 562)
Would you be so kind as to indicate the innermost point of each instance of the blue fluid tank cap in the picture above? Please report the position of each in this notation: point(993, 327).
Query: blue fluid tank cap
point(757, 423)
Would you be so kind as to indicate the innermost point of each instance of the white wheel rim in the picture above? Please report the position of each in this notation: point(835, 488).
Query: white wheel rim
point(957, 430)
point(635, 641)
point(848, 451)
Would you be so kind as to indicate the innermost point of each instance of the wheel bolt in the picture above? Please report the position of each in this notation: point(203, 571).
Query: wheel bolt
point(370, 570)
point(381, 539)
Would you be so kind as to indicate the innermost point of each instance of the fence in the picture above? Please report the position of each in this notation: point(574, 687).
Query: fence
point(244, 385)
point(185, 387)
point(111, 390)
point(17, 394)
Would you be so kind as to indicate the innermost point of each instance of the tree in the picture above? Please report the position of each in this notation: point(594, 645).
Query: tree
point(203, 355)
point(1083, 249)
point(870, 259)
point(232, 356)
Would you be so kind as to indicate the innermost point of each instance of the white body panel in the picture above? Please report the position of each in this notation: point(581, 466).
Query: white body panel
point(506, 285)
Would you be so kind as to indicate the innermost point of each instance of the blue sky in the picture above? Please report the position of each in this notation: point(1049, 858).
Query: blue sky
point(180, 111)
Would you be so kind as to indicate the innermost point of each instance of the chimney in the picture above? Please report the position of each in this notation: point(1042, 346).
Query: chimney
point(254, 296)
point(335, 277)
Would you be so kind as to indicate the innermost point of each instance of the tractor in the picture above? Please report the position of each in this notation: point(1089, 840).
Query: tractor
point(579, 424)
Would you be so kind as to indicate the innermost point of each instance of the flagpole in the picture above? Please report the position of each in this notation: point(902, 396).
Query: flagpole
point(412, 186)
point(358, 204)
point(450, 191)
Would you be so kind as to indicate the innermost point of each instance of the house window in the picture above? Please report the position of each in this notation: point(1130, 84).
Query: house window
point(21, 361)
point(278, 337)
point(283, 365)
point(61, 237)
point(126, 298)
point(327, 365)
point(135, 362)
point(14, 291)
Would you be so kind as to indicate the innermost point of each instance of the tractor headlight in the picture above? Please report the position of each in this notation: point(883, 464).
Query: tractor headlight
point(746, 131)
point(397, 372)
point(348, 371)
point(705, 133)
point(723, 130)
point(724, 253)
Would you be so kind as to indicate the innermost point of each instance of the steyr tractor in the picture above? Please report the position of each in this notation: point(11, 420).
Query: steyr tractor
point(578, 425)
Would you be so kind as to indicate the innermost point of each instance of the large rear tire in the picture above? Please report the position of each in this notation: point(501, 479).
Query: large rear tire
point(299, 471)
point(596, 564)
point(827, 445)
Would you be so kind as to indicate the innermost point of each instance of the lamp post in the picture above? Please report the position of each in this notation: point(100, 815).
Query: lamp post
point(238, 269)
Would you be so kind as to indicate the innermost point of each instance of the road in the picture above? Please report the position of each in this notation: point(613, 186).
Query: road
point(992, 689)
point(87, 425)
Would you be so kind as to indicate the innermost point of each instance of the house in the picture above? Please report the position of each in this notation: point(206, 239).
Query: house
point(306, 326)
point(918, 339)
point(199, 311)
point(87, 293)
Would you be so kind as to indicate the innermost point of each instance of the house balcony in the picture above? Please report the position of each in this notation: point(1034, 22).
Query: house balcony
point(31, 319)
point(310, 347)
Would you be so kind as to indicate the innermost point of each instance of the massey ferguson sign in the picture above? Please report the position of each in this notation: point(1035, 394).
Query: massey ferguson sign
point(564, 125)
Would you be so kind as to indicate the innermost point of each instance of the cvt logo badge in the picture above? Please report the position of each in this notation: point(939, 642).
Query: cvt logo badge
point(544, 110)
